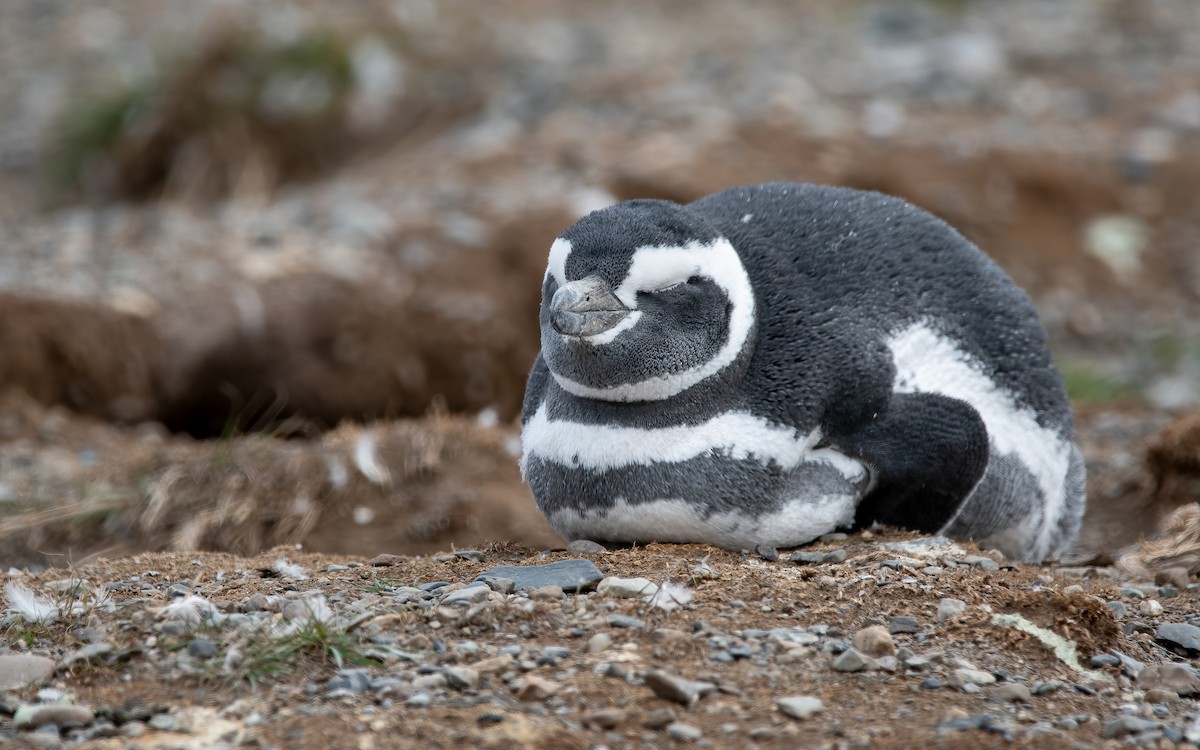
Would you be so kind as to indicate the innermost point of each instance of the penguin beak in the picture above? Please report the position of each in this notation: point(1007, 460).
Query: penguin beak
point(585, 308)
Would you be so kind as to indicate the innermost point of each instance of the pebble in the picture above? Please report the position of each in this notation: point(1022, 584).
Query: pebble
point(428, 682)
point(931, 683)
point(353, 680)
point(533, 688)
point(874, 641)
point(201, 648)
point(1126, 725)
point(493, 665)
point(767, 552)
point(1105, 660)
point(1151, 608)
point(598, 643)
point(624, 621)
point(949, 608)
point(34, 715)
point(1178, 678)
point(800, 706)
point(1118, 609)
point(89, 653)
point(852, 660)
point(903, 624)
point(606, 718)
point(677, 689)
point(658, 718)
point(585, 547)
point(473, 555)
point(462, 678)
point(572, 575)
point(960, 678)
point(467, 596)
point(19, 670)
point(684, 732)
point(1015, 692)
point(1180, 637)
point(550, 593)
point(628, 588)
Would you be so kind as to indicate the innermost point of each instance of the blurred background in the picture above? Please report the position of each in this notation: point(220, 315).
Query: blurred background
point(269, 271)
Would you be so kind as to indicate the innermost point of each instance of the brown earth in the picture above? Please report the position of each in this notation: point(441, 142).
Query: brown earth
point(732, 592)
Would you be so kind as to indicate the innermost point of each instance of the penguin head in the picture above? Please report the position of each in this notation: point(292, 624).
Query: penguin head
point(641, 301)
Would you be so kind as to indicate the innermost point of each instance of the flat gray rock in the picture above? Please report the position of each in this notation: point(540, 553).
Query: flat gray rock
point(571, 575)
point(1180, 637)
point(800, 706)
point(1178, 678)
point(19, 670)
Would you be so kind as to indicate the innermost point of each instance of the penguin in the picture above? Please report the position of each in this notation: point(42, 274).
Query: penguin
point(776, 362)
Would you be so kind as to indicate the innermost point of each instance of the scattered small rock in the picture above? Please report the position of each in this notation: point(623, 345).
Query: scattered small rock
point(1178, 678)
point(493, 665)
point(624, 621)
point(1015, 692)
point(467, 595)
point(201, 648)
point(800, 706)
point(950, 608)
point(19, 670)
point(684, 732)
point(1127, 725)
point(572, 575)
point(1180, 637)
point(874, 641)
point(767, 552)
point(852, 660)
point(473, 555)
point(658, 718)
point(903, 624)
point(34, 715)
point(585, 547)
point(677, 689)
point(960, 678)
point(92, 652)
point(534, 688)
point(550, 593)
point(607, 718)
point(598, 643)
point(384, 560)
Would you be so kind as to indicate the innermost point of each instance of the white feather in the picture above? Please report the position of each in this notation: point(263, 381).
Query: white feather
point(29, 606)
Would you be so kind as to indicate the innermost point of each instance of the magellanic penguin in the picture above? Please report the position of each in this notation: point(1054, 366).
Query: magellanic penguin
point(774, 362)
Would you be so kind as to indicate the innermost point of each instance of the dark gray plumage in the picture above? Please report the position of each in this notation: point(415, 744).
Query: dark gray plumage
point(773, 362)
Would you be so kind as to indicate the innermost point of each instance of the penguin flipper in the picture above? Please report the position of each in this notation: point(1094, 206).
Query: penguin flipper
point(927, 453)
point(535, 389)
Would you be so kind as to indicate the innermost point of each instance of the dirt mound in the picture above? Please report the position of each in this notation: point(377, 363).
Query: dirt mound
point(80, 488)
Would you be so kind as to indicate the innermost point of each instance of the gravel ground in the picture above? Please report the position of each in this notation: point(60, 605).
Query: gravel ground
point(879, 640)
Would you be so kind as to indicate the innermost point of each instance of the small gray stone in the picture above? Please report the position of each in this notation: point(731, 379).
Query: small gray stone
point(949, 608)
point(874, 641)
point(607, 718)
point(19, 670)
point(767, 552)
point(903, 624)
point(684, 732)
point(800, 706)
point(805, 557)
point(624, 621)
point(201, 648)
point(352, 680)
point(960, 678)
point(598, 643)
point(833, 557)
point(677, 689)
point(467, 596)
point(501, 585)
point(659, 718)
point(1178, 678)
point(1015, 692)
point(1104, 660)
point(1180, 637)
point(473, 555)
point(91, 653)
point(585, 547)
point(852, 660)
point(462, 678)
point(1118, 609)
point(1127, 725)
point(34, 715)
point(931, 683)
point(572, 575)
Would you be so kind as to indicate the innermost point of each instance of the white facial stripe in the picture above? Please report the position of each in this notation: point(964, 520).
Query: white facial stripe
point(929, 362)
point(739, 435)
point(654, 267)
point(605, 337)
point(556, 266)
point(669, 520)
